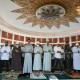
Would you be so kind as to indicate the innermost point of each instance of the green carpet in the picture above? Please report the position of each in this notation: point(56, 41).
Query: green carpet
point(59, 76)
point(47, 76)
point(1, 76)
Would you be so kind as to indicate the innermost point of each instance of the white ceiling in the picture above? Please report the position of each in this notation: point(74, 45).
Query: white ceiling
point(6, 6)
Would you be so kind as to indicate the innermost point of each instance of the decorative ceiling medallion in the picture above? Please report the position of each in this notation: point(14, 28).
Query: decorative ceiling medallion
point(48, 12)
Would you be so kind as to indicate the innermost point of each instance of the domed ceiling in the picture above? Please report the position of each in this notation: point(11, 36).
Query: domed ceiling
point(41, 18)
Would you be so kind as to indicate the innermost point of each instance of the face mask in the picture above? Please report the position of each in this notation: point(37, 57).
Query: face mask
point(6, 44)
point(37, 44)
point(17, 46)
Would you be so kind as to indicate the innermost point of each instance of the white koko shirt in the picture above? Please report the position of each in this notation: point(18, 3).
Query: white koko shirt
point(5, 55)
point(57, 55)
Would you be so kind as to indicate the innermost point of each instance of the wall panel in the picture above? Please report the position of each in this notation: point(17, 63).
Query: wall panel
point(32, 39)
point(16, 37)
point(61, 40)
point(73, 38)
point(39, 39)
point(43, 40)
point(66, 39)
point(21, 38)
point(50, 40)
point(10, 36)
point(55, 40)
point(4, 34)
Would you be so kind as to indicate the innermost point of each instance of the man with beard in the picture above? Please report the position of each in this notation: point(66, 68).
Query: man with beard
point(5, 50)
point(16, 58)
point(47, 48)
point(68, 52)
point(37, 65)
point(76, 58)
point(28, 50)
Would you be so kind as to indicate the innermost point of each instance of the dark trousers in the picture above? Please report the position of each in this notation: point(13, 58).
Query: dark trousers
point(4, 63)
point(22, 61)
point(10, 60)
point(68, 63)
point(57, 61)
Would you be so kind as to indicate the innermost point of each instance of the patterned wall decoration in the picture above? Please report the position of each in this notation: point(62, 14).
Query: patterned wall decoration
point(23, 40)
point(39, 39)
point(10, 36)
point(55, 40)
point(30, 8)
point(4, 34)
point(73, 38)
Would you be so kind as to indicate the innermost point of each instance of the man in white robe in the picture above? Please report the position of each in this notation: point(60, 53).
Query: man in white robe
point(28, 49)
point(47, 48)
point(5, 50)
point(0, 51)
point(76, 57)
point(37, 65)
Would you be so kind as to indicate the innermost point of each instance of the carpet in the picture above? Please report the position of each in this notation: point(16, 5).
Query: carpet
point(75, 76)
point(1, 76)
point(10, 75)
point(59, 76)
point(14, 75)
point(37, 75)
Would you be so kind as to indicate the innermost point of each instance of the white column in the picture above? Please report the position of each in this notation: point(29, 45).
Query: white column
point(58, 40)
point(35, 40)
point(76, 38)
point(70, 41)
point(13, 39)
point(0, 35)
point(24, 39)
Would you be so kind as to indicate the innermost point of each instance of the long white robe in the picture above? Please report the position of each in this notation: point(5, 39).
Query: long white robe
point(37, 65)
point(76, 58)
point(5, 55)
point(10, 55)
point(0, 52)
point(47, 57)
point(27, 67)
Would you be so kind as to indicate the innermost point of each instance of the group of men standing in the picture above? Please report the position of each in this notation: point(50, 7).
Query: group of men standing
point(38, 64)
point(10, 58)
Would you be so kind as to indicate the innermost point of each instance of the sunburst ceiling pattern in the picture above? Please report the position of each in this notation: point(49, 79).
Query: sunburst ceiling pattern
point(50, 12)
point(29, 8)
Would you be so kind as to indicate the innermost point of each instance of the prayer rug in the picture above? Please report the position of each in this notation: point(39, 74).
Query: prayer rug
point(41, 76)
point(75, 76)
point(10, 75)
point(37, 75)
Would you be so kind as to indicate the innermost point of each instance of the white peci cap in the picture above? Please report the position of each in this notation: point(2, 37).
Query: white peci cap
point(17, 42)
point(77, 44)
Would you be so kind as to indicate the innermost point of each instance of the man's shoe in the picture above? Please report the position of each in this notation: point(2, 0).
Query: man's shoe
point(52, 71)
